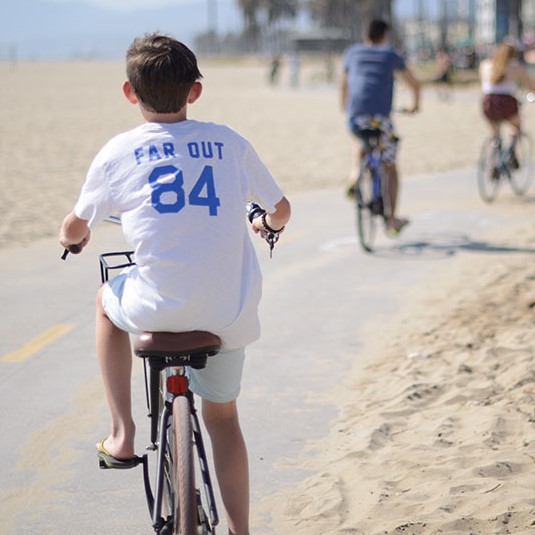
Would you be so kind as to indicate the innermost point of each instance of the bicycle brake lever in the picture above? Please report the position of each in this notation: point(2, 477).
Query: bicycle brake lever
point(272, 239)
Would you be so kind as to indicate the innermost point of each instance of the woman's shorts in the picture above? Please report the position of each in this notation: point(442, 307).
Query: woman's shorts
point(499, 107)
point(219, 382)
point(388, 141)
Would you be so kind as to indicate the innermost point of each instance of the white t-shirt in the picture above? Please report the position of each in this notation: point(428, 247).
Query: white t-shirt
point(181, 190)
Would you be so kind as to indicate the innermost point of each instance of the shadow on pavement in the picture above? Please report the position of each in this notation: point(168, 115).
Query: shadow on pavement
point(440, 245)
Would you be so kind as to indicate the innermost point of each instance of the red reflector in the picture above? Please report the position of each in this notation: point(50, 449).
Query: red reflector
point(177, 384)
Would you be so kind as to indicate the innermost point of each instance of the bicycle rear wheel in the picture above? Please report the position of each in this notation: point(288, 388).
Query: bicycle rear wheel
point(366, 221)
point(488, 178)
point(185, 498)
point(522, 176)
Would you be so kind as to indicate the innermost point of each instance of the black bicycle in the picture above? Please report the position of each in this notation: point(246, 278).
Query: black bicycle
point(177, 506)
point(505, 160)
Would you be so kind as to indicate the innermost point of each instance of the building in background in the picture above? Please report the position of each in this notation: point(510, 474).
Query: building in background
point(497, 19)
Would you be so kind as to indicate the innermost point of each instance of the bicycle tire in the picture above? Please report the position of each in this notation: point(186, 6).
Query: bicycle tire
point(522, 177)
point(185, 497)
point(488, 183)
point(366, 220)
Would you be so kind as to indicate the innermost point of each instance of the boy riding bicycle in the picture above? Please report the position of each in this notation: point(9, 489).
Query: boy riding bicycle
point(181, 187)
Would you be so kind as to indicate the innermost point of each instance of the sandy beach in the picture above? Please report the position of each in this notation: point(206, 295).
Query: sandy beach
point(436, 430)
point(56, 116)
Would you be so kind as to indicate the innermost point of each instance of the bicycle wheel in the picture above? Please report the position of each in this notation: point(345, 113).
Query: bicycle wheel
point(488, 179)
point(522, 175)
point(185, 498)
point(366, 221)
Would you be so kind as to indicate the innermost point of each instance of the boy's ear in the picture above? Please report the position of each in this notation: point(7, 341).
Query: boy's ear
point(194, 92)
point(129, 93)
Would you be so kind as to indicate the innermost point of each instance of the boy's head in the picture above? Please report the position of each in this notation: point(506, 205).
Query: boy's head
point(161, 72)
point(377, 30)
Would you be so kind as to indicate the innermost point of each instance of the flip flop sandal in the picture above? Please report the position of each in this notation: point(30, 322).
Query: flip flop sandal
point(108, 461)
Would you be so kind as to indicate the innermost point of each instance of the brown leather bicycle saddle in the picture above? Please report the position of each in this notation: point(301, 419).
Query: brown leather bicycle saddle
point(166, 344)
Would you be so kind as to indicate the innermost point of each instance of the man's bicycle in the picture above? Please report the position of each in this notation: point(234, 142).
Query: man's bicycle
point(371, 190)
point(505, 159)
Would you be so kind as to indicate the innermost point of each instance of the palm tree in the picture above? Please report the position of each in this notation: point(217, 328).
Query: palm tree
point(352, 16)
point(274, 9)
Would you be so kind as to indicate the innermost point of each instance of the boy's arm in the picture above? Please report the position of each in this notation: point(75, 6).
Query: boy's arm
point(74, 231)
point(277, 219)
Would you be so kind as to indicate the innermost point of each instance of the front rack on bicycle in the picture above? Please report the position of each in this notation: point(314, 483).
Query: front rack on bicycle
point(106, 267)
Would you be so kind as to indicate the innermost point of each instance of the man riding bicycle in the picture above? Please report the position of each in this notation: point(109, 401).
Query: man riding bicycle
point(366, 92)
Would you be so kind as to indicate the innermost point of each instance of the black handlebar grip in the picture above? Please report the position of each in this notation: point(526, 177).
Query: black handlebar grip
point(74, 249)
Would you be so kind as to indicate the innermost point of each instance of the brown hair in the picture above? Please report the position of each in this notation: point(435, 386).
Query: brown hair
point(376, 30)
point(503, 54)
point(161, 71)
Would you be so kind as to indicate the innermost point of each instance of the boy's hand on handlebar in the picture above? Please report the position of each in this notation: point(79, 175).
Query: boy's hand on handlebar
point(73, 248)
point(257, 217)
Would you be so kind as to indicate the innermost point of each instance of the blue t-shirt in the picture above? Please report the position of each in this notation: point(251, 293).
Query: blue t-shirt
point(370, 77)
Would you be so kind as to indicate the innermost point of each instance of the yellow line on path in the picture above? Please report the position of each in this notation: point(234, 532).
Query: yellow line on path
point(31, 347)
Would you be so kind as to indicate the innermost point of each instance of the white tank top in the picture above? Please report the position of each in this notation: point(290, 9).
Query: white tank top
point(506, 87)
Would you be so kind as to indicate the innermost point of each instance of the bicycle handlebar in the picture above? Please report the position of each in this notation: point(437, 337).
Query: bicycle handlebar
point(73, 249)
point(253, 211)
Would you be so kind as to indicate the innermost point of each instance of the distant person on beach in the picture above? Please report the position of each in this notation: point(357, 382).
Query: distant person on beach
point(500, 77)
point(274, 69)
point(294, 64)
point(181, 187)
point(366, 93)
point(444, 74)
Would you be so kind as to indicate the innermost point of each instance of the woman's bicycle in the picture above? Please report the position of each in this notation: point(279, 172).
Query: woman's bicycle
point(371, 190)
point(505, 159)
point(176, 505)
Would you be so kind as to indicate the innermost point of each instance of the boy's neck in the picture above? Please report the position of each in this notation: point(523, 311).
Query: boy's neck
point(152, 117)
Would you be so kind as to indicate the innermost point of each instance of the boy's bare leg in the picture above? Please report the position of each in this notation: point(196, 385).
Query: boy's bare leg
point(230, 460)
point(115, 361)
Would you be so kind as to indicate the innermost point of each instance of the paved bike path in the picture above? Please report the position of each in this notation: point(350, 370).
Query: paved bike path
point(320, 291)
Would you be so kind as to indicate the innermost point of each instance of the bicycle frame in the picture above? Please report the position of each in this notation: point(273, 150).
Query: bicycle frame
point(160, 424)
point(373, 160)
point(504, 154)
point(160, 420)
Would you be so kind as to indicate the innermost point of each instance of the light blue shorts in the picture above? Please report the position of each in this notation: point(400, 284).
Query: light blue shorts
point(219, 382)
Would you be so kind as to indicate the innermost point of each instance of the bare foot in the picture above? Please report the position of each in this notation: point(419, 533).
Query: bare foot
point(118, 448)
